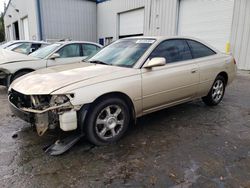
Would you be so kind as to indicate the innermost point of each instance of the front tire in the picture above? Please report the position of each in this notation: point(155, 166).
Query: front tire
point(216, 93)
point(107, 121)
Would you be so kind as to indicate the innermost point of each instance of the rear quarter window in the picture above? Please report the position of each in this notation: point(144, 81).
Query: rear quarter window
point(199, 50)
point(89, 49)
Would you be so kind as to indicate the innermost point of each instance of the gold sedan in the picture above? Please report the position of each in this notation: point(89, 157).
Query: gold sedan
point(130, 78)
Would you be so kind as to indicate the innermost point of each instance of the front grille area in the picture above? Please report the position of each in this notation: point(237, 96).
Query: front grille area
point(19, 100)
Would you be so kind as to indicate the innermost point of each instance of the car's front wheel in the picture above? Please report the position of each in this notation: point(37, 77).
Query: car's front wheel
point(216, 93)
point(107, 121)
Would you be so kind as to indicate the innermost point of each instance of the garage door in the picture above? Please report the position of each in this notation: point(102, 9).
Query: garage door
point(26, 28)
point(131, 23)
point(209, 20)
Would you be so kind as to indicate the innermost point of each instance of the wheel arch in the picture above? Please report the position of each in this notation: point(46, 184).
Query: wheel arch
point(120, 95)
point(21, 70)
point(224, 75)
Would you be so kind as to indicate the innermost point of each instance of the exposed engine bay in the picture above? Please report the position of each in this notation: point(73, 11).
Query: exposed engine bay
point(46, 111)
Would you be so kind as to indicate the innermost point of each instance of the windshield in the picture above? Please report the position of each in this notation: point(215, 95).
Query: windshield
point(123, 53)
point(44, 52)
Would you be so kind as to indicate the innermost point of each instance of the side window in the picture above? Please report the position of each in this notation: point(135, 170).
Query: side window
point(34, 47)
point(172, 51)
point(71, 50)
point(89, 49)
point(199, 50)
point(23, 48)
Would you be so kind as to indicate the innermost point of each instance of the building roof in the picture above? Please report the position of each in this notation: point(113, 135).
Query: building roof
point(5, 10)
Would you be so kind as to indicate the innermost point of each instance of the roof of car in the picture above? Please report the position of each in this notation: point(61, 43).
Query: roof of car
point(73, 42)
point(30, 41)
point(162, 38)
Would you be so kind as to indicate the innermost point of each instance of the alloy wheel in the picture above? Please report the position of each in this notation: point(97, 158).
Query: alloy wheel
point(109, 122)
point(218, 90)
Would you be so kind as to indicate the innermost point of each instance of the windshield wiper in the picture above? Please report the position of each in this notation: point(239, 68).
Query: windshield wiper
point(99, 62)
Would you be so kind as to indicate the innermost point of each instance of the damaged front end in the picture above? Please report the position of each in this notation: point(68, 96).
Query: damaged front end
point(44, 111)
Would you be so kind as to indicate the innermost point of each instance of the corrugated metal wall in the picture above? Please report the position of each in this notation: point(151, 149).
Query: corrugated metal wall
point(74, 19)
point(160, 16)
point(240, 38)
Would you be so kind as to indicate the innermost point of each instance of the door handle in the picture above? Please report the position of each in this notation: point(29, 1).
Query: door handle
point(194, 71)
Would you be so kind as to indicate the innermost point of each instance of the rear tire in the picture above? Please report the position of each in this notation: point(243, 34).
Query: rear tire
point(107, 121)
point(216, 93)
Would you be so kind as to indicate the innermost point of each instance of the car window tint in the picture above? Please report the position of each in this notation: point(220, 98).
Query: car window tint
point(89, 49)
point(71, 50)
point(34, 47)
point(23, 48)
point(199, 50)
point(172, 51)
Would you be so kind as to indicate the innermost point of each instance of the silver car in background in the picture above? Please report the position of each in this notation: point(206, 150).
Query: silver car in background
point(14, 65)
point(24, 46)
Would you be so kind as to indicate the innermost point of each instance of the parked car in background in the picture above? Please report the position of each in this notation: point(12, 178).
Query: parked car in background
point(23, 46)
point(16, 65)
point(129, 78)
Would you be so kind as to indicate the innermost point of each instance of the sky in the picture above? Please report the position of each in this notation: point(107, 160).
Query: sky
point(2, 4)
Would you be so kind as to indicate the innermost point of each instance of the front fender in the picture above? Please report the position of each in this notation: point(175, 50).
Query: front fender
point(130, 86)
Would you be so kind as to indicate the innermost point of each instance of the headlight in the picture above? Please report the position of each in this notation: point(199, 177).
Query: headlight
point(59, 99)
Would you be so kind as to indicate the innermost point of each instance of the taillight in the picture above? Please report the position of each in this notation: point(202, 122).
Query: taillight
point(234, 61)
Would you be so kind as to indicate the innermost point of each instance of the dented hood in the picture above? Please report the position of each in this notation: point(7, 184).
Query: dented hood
point(46, 81)
point(7, 56)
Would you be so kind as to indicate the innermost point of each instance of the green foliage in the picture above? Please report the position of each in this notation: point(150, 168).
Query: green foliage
point(2, 32)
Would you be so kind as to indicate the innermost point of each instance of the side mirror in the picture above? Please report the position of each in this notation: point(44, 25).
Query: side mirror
point(55, 56)
point(155, 62)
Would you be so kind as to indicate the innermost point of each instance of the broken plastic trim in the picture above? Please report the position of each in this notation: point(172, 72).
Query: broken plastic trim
point(68, 105)
point(61, 146)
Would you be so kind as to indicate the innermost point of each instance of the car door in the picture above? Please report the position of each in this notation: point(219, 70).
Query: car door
point(208, 63)
point(89, 50)
point(173, 83)
point(70, 53)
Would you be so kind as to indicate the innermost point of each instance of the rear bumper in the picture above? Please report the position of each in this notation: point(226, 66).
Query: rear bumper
point(232, 74)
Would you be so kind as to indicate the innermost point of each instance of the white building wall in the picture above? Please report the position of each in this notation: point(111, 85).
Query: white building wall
point(26, 9)
point(240, 38)
point(160, 16)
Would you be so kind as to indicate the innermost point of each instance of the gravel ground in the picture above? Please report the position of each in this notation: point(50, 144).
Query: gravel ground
point(190, 145)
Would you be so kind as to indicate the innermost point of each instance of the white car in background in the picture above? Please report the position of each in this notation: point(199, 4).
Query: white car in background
point(23, 46)
point(14, 65)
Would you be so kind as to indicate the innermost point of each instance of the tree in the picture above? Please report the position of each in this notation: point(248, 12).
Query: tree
point(2, 32)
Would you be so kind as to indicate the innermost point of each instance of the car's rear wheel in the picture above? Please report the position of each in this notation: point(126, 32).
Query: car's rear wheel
point(107, 121)
point(216, 93)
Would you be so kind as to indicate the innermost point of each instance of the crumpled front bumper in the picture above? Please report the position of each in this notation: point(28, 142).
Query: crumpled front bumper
point(43, 119)
point(26, 116)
